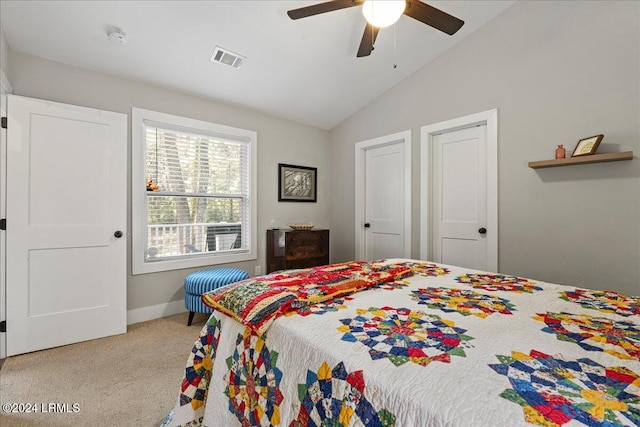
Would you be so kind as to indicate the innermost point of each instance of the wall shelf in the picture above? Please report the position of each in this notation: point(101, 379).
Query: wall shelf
point(582, 160)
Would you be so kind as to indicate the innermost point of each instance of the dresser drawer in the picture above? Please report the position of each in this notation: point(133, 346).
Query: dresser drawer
point(292, 249)
point(306, 252)
point(306, 238)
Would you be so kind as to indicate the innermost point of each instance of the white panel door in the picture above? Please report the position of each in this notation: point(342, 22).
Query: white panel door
point(460, 198)
point(5, 88)
point(66, 205)
point(384, 202)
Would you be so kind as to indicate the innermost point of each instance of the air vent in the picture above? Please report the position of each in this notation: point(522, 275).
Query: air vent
point(226, 57)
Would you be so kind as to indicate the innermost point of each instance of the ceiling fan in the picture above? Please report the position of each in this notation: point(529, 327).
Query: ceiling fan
point(414, 8)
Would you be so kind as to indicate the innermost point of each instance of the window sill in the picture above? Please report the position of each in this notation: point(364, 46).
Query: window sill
point(145, 267)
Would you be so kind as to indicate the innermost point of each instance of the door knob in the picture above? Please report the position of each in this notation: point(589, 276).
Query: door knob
point(118, 234)
point(482, 231)
point(367, 225)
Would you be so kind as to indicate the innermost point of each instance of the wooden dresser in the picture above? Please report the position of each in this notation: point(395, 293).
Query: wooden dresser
point(287, 249)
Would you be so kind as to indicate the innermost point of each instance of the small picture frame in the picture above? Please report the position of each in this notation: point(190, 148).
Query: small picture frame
point(587, 146)
point(296, 183)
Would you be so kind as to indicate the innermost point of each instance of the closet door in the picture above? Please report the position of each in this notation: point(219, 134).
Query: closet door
point(66, 224)
point(385, 202)
point(459, 227)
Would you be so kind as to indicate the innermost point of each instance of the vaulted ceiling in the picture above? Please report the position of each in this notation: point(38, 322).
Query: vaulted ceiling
point(304, 70)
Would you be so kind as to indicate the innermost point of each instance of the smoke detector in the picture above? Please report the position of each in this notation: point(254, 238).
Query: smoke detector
point(117, 37)
point(226, 57)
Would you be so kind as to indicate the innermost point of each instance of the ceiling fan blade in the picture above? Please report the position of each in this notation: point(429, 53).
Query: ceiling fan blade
point(434, 17)
point(325, 7)
point(368, 39)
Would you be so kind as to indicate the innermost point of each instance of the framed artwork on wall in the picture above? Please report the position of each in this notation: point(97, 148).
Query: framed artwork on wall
point(587, 146)
point(296, 183)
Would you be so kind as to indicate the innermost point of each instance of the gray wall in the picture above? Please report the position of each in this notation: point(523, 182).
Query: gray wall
point(279, 141)
point(4, 52)
point(557, 72)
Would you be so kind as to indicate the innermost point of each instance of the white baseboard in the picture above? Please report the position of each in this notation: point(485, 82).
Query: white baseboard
point(155, 312)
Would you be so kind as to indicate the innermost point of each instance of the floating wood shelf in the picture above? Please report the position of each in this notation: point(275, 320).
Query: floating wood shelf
point(582, 160)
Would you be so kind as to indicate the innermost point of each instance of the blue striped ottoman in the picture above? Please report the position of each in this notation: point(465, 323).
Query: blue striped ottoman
point(200, 282)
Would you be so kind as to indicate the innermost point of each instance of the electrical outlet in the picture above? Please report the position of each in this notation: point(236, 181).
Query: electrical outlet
point(258, 270)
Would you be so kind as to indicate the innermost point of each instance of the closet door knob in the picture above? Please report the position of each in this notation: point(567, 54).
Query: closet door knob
point(118, 234)
point(482, 231)
point(367, 225)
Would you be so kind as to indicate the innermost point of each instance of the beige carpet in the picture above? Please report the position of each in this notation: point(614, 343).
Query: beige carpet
point(126, 380)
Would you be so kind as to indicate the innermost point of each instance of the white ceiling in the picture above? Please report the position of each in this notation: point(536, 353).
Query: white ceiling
point(304, 70)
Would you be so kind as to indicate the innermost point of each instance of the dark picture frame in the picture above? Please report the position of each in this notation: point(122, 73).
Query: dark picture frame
point(297, 183)
point(587, 146)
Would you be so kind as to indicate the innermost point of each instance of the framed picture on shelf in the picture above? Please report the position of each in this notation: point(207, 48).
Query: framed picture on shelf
point(296, 183)
point(587, 146)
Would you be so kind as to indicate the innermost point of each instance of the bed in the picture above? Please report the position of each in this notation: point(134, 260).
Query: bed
point(411, 343)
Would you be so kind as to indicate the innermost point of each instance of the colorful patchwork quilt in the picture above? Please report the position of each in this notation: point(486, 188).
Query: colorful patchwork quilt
point(411, 343)
point(259, 301)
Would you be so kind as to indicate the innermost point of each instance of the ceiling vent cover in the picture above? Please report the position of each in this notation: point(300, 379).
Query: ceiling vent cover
point(226, 57)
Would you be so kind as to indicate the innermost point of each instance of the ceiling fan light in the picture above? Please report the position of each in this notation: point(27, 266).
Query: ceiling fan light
point(382, 13)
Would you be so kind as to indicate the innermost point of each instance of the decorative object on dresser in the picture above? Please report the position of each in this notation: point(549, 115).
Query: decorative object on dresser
point(287, 249)
point(296, 183)
point(301, 226)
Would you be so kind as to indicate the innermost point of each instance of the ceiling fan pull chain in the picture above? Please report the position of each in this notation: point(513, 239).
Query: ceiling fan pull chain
point(395, 51)
point(394, 39)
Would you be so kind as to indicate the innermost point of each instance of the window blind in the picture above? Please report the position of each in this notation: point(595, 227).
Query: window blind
point(202, 184)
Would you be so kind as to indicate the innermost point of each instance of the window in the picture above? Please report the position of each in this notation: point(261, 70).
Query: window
point(193, 193)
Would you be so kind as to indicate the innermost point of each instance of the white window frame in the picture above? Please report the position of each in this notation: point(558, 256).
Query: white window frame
point(139, 195)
